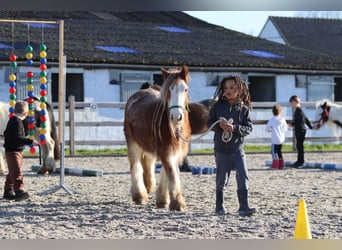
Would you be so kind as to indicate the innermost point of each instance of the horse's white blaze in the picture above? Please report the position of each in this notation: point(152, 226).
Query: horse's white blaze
point(178, 95)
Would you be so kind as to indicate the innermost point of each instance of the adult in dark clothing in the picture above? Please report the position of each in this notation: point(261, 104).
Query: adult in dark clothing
point(231, 114)
point(299, 123)
point(15, 142)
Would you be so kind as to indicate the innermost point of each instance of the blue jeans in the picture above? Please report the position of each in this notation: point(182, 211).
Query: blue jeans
point(225, 163)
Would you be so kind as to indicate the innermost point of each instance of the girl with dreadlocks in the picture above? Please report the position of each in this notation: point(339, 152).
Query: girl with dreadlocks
point(231, 114)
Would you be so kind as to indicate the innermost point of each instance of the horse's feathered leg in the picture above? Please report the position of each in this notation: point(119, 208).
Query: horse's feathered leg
point(138, 190)
point(162, 193)
point(148, 163)
point(172, 184)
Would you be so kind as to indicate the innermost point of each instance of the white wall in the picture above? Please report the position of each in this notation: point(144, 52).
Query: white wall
point(97, 89)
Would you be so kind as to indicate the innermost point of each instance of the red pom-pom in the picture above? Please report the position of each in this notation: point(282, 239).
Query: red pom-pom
point(43, 92)
point(12, 90)
point(30, 100)
point(12, 57)
point(11, 115)
point(32, 150)
point(43, 67)
point(29, 74)
point(43, 118)
point(42, 142)
point(30, 126)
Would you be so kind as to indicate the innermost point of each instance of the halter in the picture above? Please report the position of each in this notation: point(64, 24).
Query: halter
point(177, 106)
point(181, 107)
point(324, 117)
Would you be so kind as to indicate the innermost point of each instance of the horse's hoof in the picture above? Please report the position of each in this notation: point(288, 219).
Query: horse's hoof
point(177, 206)
point(138, 200)
point(162, 204)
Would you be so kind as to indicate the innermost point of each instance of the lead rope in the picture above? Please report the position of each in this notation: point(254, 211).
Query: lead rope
point(226, 136)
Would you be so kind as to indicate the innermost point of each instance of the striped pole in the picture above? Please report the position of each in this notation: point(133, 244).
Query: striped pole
point(311, 165)
point(74, 171)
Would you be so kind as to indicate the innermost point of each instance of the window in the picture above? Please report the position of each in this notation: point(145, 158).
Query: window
point(262, 88)
point(338, 89)
point(74, 85)
point(320, 87)
point(131, 83)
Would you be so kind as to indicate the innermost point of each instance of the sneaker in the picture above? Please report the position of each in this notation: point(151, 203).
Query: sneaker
point(9, 194)
point(21, 195)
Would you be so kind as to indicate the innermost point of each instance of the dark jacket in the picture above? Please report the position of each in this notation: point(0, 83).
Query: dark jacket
point(299, 120)
point(242, 122)
point(15, 139)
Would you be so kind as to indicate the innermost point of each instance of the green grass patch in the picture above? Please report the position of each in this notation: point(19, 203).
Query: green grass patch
point(249, 148)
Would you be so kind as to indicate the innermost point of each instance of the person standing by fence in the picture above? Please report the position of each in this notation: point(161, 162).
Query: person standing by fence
point(298, 123)
point(277, 126)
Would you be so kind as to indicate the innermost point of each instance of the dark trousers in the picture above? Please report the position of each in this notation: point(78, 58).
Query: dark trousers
point(225, 163)
point(300, 137)
point(276, 151)
point(14, 178)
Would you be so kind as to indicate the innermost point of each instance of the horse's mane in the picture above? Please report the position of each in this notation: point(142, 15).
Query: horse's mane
point(170, 78)
point(328, 103)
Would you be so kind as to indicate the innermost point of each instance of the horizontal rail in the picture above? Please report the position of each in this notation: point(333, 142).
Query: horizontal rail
point(72, 124)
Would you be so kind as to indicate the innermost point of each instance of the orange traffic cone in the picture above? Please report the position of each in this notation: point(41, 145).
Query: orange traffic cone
point(302, 230)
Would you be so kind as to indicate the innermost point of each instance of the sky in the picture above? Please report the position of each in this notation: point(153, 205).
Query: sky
point(249, 22)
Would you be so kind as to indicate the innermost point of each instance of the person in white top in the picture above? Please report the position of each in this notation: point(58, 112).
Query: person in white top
point(277, 126)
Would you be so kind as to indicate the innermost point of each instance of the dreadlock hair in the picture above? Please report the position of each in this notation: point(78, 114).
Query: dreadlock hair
point(242, 88)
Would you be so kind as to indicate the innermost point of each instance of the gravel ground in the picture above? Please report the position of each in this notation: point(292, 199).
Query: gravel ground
point(102, 207)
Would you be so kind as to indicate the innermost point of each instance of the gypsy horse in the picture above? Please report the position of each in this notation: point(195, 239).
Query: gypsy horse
point(152, 124)
point(50, 150)
point(327, 111)
point(198, 116)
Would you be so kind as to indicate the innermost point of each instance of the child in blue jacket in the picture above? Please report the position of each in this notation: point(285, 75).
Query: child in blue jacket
point(231, 116)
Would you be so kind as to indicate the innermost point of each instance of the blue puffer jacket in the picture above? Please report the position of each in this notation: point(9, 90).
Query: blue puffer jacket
point(242, 122)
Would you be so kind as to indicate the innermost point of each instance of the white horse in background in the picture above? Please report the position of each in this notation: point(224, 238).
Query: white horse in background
point(50, 150)
point(328, 113)
point(3, 123)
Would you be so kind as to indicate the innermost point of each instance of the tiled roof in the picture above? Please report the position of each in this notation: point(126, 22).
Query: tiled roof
point(316, 34)
point(149, 38)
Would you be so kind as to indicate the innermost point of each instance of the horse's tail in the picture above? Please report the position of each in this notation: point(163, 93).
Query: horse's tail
point(56, 152)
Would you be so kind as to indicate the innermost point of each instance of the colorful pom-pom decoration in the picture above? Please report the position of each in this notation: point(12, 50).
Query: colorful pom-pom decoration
point(43, 93)
point(12, 86)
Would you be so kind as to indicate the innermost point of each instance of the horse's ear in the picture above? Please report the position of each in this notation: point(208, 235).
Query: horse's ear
point(325, 104)
point(165, 73)
point(185, 73)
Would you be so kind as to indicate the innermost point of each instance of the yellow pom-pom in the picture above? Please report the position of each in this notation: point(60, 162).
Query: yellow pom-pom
point(31, 137)
point(43, 80)
point(42, 105)
point(30, 87)
point(42, 54)
point(30, 113)
point(12, 103)
point(43, 131)
point(12, 77)
point(29, 56)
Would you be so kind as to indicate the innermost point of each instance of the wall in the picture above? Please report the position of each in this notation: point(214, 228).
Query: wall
point(97, 89)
